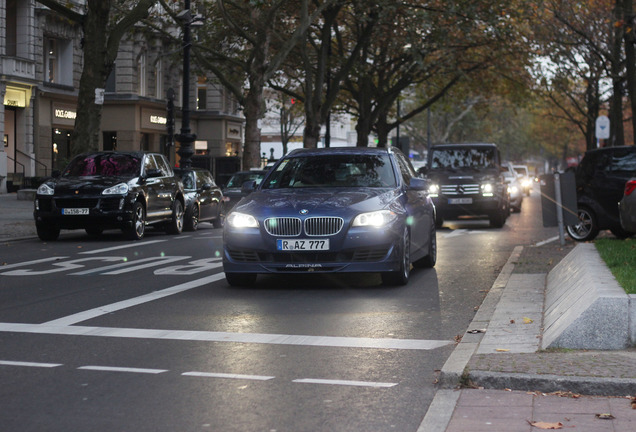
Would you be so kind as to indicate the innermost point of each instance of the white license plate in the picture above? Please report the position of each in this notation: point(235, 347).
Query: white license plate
point(460, 200)
point(74, 211)
point(302, 245)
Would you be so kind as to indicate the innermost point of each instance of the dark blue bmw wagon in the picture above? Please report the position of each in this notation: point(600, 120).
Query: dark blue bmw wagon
point(329, 210)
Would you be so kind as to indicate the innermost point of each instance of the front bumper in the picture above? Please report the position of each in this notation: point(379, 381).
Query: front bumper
point(361, 250)
point(104, 212)
point(478, 206)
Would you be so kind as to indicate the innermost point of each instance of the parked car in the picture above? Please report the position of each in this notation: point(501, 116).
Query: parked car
point(515, 190)
point(627, 207)
point(233, 190)
point(106, 190)
point(600, 183)
point(203, 198)
point(467, 180)
point(333, 210)
point(526, 179)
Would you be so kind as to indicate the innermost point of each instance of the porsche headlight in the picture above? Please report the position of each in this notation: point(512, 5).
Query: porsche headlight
point(120, 189)
point(45, 189)
point(374, 219)
point(241, 220)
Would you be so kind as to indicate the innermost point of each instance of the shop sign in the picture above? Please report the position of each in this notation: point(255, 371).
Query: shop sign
point(153, 119)
point(234, 131)
point(15, 97)
point(64, 115)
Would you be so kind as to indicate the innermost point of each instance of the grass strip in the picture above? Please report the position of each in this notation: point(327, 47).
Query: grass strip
point(620, 257)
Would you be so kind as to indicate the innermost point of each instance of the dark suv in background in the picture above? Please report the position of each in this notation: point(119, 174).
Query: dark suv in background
point(467, 180)
point(600, 182)
point(106, 190)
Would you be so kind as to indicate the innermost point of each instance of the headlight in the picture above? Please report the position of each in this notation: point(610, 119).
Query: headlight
point(241, 220)
point(45, 189)
point(513, 190)
point(433, 190)
point(487, 189)
point(375, 219)
point(120, 189)
point(526, 183)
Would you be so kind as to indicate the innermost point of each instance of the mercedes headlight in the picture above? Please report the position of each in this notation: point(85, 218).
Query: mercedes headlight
point(241, 220)
point(45, 189)
point(433, 190)
point(487, 189)
point(375, 219)
point(120, 189)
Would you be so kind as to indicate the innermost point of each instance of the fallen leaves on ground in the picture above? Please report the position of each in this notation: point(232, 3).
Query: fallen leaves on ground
point(634, 402)
point(546, 425)
point(605, 416)
point(527, 320)
point(502, 350)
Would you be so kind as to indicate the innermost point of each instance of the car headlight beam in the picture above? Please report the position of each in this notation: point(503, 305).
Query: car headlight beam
point(376, 219)
point(433, 190)
point(241, 220)
point(487, 189)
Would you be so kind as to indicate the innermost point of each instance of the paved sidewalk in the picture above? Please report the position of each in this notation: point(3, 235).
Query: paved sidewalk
point(497, 379)
point(16, 217)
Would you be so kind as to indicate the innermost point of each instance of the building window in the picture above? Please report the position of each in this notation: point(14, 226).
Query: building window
point(111, 81)
point(141, 74)
point(110, 140)
point(61, 148)
point(202, 93)
point(58, 58)
point(10, 31)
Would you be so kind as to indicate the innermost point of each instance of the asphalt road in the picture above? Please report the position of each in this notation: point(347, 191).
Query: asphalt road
point(104, 334)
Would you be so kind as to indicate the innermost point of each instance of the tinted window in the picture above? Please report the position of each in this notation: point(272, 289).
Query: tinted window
point(162, 164)
point(464, 158)
point(334, 170)
point(104, 164)
point(623, 162)
point(237, 180)
point(405, 167)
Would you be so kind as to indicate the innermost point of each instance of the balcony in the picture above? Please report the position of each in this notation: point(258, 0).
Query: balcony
point(17, 68)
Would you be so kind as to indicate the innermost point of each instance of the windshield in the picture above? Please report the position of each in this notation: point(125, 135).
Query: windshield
point(238, 179)
point(104, 164)
point(334, 170)
point(464, 158)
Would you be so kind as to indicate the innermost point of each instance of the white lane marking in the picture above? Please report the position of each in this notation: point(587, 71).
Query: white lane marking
point(204, 336)
point(103, 310)
point(344, 382)
point(63, 266)
point(130, 266)
point(28, 364)
point(126, 246)
point(550, 240)
point(26, 263)
point(230, 376)
point(123, 369)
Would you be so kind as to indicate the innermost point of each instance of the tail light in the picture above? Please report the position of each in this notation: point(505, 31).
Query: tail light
point(630, 186)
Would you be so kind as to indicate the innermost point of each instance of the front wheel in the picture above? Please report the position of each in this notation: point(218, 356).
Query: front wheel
point(587, 227)
point(191, 222)
point(498, 219)
point(401, 276)
point(240, 279)
point(176, 224)
point(47, 232)
point(430, 259)
point(138, 223)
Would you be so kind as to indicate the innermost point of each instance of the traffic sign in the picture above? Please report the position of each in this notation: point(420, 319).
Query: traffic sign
point(602, 127)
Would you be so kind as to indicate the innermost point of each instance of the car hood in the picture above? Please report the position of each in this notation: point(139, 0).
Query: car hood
point(463, 174)
point(87, 184)
point(288, 202)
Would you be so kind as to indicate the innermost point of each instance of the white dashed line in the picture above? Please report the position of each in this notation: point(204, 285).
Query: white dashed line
point(28, 364)
point(230, 376)
point(344, 382)
point(122, 369)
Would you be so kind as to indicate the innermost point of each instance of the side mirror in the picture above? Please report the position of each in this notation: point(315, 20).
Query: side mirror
point(153, 173)
point(418, 183)
point(206, 186)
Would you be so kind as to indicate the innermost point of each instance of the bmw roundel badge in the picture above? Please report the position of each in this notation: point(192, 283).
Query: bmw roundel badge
point(304, 212)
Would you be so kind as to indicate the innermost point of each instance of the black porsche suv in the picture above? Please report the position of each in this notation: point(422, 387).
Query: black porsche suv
point(467, 180)
point(111, 190)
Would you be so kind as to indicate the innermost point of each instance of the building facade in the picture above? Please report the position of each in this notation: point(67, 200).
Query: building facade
point(40, 69)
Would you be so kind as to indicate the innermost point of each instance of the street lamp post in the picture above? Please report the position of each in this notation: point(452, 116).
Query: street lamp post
point(186, 137)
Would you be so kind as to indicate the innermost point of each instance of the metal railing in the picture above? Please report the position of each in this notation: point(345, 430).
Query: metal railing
point(46, 170)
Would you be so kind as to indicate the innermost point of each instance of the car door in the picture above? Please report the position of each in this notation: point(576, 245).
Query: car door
point(213, 193)
point(169, 184)
point(152, 187)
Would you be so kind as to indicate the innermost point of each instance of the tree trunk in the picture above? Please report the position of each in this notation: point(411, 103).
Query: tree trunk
point(97, 66)
point(616, 101)
point(253, 108)
point(630, 59)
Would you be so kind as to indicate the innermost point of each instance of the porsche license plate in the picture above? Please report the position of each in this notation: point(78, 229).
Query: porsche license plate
point(74, 211)
point(302, 245)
